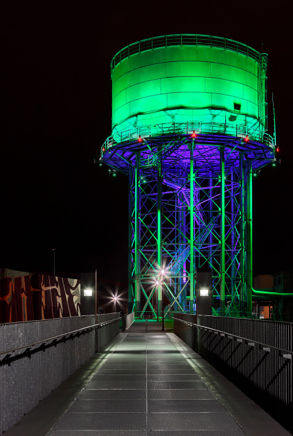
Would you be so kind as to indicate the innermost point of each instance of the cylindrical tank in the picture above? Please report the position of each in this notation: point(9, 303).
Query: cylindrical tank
point(188, 78)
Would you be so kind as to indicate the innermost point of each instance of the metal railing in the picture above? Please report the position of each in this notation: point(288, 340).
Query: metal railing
point(147, 132)
point(39, 345)
point(251, 342)
point(181, 40)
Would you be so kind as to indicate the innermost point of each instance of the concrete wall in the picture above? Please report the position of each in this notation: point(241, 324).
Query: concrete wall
point(27, 380)
point(129, 320)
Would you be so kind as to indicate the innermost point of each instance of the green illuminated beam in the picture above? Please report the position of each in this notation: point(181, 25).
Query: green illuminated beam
point(137, 256)
point(148, 303)
point(223, 271)
point(130, 209)
point(191, 226)
point(249, 241)
point(159, 233)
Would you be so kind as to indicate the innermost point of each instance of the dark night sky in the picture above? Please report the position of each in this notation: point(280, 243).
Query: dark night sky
point(56, 113)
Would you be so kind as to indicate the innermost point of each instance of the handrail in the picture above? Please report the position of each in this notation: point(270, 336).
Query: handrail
point(28, 347)
point(184, 39)
point(285, 353)
point(147, 132)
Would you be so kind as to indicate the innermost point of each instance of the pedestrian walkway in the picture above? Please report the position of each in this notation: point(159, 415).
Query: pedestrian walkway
point(153, 384)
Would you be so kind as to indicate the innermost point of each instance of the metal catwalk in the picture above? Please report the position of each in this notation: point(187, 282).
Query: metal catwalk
point(147, 384)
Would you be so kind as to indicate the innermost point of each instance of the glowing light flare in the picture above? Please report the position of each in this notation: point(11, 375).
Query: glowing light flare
point(277, 149)
point(116, 298)
point(139, 138)
point(103, 149)
point(193, 135)
point(246, 139)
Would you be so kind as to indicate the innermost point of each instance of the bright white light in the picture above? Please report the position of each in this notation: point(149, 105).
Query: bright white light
point(204, 292)
point(115, 298)
point(88, 292)
point(162, 272)
point(157, 282)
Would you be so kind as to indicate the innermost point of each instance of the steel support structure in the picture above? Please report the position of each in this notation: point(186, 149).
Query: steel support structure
point(190, 207)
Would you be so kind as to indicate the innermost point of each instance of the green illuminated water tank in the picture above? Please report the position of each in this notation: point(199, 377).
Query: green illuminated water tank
point(209, 81)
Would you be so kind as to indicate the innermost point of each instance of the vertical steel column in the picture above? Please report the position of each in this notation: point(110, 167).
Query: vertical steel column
point(177, 239)
point(249, 241)
point(130, 239)
point(191, 283)
point(210, 219)
point(242, 232)
point(137, 235)
point(223, 266)
point(181, 247)
point(184, 240)
point(233, 250)
point(159, 237)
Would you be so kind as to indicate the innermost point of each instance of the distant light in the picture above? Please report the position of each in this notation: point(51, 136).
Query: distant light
point(246, 139)
point(114, 174)
point(103, 149)
point(193, 135)
point(157, 282)
point(162, 272)
point(254, 174)
point(139, 138)
point(204, 292)
point(277, 149)
point(88, 292)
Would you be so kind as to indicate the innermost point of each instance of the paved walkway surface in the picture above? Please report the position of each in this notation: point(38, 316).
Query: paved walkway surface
point(146, 385)
point(150, 384)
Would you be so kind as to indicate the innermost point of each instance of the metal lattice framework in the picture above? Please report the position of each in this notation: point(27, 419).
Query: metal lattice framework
point(190, 207)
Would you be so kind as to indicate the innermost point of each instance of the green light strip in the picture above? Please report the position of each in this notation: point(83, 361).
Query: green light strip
point(136, 213)
point(159, 235)
point(222, 302)
point(191, 226)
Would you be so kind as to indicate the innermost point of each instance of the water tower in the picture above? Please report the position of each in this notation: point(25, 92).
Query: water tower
point(189, 130)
